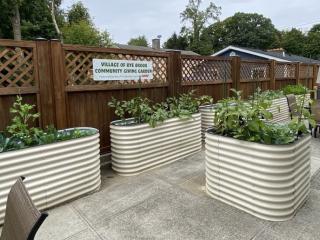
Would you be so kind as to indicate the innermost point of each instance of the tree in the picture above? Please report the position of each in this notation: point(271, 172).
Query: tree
point(244, 29)
point(81, 30)
point(176, 42)
point(293, 41)
point(198, 20)
point(139, 41)
point(77, 13)
point(35, 19)
point(312, 47)
point(85, 33)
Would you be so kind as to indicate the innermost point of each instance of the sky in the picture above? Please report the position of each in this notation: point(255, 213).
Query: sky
point(125, 19)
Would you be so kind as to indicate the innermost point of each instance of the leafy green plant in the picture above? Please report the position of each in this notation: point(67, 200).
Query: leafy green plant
point(143, 111)
point(20, 134)
point(248, 121)
point(295, 89)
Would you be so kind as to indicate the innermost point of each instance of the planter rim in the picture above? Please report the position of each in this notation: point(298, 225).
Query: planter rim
point(113, 123)
point(304, 136)
point(35, 147)
point(208, 106)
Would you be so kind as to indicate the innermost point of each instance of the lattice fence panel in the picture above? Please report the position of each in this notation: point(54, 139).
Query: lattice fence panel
point(306, 71)
point(79, 68)
point(16, 67)
point(254, 71)
point(285, 71)
point(205, 70)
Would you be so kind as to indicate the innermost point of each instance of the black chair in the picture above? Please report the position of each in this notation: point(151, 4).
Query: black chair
point(22, 219)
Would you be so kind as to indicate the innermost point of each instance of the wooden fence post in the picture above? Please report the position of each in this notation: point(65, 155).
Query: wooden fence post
point(315, 75)
point(46, 91)
point(273, 75)
point(235, 72)
point(58, 77)
point(297, 73)
point(174, 73)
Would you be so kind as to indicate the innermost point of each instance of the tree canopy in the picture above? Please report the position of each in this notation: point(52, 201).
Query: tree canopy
point(293, 41)
point(176, 42)
point(197, 19)
point(139, 41)
point(244, 29)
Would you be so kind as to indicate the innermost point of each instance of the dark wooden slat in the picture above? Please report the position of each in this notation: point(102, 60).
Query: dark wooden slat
point(14, 43)
point(105, 87)
point(15, 90)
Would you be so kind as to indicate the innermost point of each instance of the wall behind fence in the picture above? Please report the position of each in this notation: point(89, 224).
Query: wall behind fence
point(58, 80)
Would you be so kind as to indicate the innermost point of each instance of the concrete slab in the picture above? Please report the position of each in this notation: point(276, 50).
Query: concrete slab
point(177, 214)
point(170, 203)
point(63, 222)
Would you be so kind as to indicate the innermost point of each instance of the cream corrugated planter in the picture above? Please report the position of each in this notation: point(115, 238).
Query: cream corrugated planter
point(299, 99)
point(138, 148)
point(55, 173)
point(207, 117)
point(280, 110)
point(268, 181)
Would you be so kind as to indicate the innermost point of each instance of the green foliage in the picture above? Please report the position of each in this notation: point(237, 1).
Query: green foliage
point(293, 41)
point(139, 41)
point(176, 42)
point(295, 89)
point(85, 33)
point(21, 135)
point(198, 19)
point(312, 46)
point(19, 127)
point(243, 29)
point(142, 111)
point(78, 13)
point(269, 94)
point(35, 17)
point(248, 121)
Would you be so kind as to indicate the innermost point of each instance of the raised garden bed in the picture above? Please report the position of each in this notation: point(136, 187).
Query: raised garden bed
point(55, 172)
point(280, 110)
point(138, 148)
point(207, 118)
point(267, 181)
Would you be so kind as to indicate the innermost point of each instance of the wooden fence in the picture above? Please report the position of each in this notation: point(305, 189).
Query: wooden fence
point(58, 79)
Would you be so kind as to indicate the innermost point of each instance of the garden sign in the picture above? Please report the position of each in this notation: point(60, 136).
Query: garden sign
point(109, 69)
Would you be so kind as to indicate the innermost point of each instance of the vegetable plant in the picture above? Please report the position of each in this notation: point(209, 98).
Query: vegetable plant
point(143, 111)
point(21, 134)
point(295, 89)
point(247, 120)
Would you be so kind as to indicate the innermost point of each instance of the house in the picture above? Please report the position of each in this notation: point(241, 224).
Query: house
point(155, 48)
point(255, 54)
point(259, 71)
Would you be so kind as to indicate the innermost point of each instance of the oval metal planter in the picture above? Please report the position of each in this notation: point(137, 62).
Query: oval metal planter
point(268, 181)
point(207, 118)
point(138, 148)
point(280, 110)
point(55, 173)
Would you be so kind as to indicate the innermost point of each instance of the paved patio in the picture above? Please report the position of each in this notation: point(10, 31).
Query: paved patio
point(170, 203)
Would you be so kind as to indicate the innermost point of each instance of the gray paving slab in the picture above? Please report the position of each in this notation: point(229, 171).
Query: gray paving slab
point(63, 222)
point(117, 198)
point(177, 214)
point(182, 170)
point(170, 203)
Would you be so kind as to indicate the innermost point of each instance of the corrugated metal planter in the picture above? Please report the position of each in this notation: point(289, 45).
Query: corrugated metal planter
point(268, 181)
point(307, 98)
point(280, 110)
point(138, 148)
point(55, 173)
point(207, 117)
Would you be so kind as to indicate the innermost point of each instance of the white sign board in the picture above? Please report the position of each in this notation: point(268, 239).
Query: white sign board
point(108, 69)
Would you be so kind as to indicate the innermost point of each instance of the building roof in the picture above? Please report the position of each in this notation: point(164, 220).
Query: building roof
point(278, 56)
point(141, 48)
